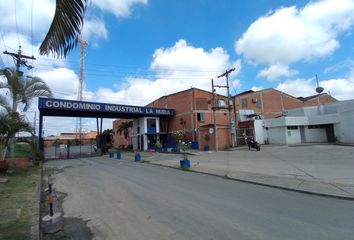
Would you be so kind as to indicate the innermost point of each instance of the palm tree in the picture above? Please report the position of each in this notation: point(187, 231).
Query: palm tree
point(124, 128)
point(10, 124)
point(22, 90)
point(65, 29)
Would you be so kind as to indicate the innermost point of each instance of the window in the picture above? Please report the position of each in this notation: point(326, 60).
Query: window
point(151, 123)
point(201, 116)
point(315, 126)
point(244, 102)
point(292, 127)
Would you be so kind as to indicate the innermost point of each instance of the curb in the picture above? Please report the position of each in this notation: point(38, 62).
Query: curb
point(261, 184)
point(35, 227)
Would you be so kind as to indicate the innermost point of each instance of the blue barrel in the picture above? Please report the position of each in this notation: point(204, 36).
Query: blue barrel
point(185, 163)
point(195, 145)
point(137, 157)
point(111, 155)
point(119, 155)
point(206, 148)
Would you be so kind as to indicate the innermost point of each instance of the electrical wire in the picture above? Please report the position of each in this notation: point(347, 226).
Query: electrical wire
point(3, 41)
point(18, 38)
point(32, 26)
point(32, 35)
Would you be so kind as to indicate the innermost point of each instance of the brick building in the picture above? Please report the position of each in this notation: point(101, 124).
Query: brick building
point(194, 108)
point(270, 103)
point(266, 104)
point(64, 138)
point(195, 115)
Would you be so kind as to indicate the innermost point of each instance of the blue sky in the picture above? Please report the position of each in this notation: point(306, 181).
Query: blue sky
point(139, 50)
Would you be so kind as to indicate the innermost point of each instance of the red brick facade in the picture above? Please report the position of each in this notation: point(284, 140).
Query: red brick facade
point(194, 106)
point(191, 105)
point(64, 138)
point(270, 103)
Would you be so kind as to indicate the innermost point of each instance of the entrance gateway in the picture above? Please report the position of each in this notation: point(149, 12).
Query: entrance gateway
point(69, 108)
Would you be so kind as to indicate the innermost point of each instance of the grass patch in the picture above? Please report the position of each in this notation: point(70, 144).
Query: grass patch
point(21, 150)
point(185, 169)
point(16, 203)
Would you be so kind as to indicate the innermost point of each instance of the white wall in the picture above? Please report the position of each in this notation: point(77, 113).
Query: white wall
point(296, 121)
point(274, 122)
point(315, 134)
point(276, 135)
point(138, 123)
point(260, 132)
point(346, 134)
point(293, 136)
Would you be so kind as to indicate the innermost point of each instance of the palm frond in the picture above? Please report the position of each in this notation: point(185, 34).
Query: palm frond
point(4, 103)
point(35, 87)
point(65, 29)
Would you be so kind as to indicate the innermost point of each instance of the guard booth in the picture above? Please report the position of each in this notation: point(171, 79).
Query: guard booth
point(68, 108)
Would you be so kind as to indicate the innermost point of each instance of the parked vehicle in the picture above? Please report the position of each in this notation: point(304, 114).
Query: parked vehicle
point(253, 144)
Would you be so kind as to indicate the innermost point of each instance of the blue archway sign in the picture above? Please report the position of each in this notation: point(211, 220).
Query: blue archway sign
point(69, 108)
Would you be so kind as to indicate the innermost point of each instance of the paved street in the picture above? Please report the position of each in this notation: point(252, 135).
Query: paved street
point(127, 200)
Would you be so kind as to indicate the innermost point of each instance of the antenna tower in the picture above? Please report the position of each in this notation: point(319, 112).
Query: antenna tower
point(81, 89)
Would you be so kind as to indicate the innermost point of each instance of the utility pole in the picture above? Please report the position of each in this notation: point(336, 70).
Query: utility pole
point(214, 115)
point(232, 122)
point(20, 59)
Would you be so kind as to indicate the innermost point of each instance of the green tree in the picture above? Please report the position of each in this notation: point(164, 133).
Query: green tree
point(124, 128)
point(22, 90)
point(10, 124)
point(65, 29)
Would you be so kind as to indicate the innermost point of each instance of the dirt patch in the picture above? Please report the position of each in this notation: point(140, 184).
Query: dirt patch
point(73, 228)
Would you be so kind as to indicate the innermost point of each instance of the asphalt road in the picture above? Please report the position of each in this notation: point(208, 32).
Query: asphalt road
point(127, 200)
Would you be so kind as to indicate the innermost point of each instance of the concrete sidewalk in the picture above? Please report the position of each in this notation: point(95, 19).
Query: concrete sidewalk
point(320, 169)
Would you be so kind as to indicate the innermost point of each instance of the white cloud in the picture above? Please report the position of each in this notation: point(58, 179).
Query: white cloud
point(257, 88)
point(121, 8)
point(94, 30)
point(62, 81)
point(340, 88)
point(56, 72)
point(177, 68)
point(275, 71)
point(289, 34)
point(42, 15)
point(298, 87)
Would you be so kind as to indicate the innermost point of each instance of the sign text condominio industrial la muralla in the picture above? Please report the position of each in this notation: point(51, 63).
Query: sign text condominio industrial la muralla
point(103, 107)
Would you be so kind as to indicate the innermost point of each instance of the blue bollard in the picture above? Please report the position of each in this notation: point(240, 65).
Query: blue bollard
point(137, 157)
point(119, 155)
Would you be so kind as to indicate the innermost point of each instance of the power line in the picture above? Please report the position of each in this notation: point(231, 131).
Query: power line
point(18, 38)
point(32, 31)
point(20, 58)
